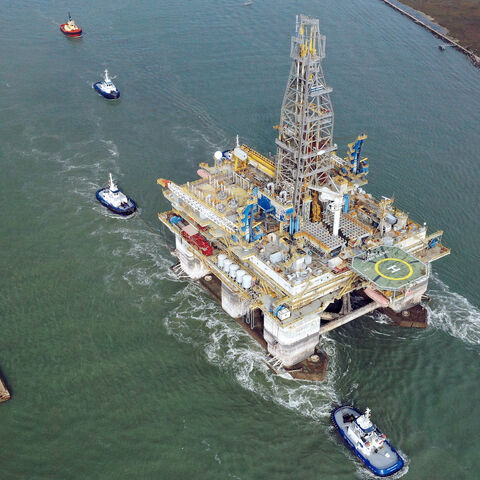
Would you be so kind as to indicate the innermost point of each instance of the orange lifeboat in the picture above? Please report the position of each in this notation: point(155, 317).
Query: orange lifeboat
point(377, 297)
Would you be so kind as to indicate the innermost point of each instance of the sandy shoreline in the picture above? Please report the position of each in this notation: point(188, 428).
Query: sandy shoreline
point(461, 18)
point(451, 27)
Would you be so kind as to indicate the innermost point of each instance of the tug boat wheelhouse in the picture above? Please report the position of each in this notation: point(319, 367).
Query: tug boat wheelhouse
point(106, 88)
point(117, 202)
point(367, 441)
point(70, 29)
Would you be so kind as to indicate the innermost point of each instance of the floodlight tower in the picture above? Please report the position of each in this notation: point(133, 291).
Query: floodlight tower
point(304, 143)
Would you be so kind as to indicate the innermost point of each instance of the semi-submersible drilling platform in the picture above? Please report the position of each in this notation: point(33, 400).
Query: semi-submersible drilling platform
point(282, 241)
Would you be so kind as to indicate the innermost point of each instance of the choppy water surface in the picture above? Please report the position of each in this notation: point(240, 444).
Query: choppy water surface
point(120, 370)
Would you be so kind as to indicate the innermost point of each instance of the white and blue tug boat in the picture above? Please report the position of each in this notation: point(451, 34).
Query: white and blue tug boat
point(116, 201)
point(106, 88)
point(367, 441)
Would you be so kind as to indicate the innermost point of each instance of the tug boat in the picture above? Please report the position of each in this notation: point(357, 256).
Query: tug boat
point(106, 88)
point(367, 441)
point(117, 202)
point(71, 29)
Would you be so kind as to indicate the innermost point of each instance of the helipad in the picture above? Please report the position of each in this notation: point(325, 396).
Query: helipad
point(389, 268)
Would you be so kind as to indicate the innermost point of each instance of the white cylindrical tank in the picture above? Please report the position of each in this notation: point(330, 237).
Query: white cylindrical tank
point(391, 219)
point(388, 241)
point(246, 281)
point(240, 275)
point(232, 272)
point(220, 259)
point(226, 265)
point(240, 154)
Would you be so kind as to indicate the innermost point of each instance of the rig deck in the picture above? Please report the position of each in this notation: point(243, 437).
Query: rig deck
point(284, 239)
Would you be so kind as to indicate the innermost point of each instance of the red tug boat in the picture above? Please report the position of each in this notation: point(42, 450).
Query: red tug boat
point(71, 29)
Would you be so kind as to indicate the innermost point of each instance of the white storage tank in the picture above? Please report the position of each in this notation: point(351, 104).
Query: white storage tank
point(240, 275)
point(240, 154)
point(391, 219)
point(232, 272)
point(388, 241)
point(220, 259)
point(276, 257)
point(226, 265)
point(247, 281)
point(298, 263)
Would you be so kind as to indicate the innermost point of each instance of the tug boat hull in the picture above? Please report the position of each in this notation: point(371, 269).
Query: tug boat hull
point(110, 95)
point(129, 208)
point(70, 33)
point(381, 464)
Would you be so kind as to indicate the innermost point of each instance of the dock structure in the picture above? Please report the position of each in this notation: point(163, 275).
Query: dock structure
point(282, 242)
point(4, 393)
point(475, 59)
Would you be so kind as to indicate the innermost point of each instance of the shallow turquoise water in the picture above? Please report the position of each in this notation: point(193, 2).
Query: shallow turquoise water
point(117, 369)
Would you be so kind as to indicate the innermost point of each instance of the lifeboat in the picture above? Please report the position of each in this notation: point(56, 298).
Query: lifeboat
point(116, 201)
point(71, 29)
point(106, 88)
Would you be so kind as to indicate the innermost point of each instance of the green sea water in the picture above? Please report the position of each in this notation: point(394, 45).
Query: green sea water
point(119, 370)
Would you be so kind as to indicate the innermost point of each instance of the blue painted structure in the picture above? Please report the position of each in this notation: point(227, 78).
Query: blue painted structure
point(381, 472)
point(111, 96)
point(358, 166)
point(126, 210)
point(251, 233)
point(175, 220)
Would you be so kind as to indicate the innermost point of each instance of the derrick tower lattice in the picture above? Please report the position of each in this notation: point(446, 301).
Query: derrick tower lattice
point(304, 143)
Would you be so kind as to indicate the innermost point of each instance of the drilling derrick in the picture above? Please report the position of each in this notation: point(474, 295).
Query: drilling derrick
point(304, 143)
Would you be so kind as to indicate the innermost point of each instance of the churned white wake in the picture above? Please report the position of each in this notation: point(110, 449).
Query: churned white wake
point(197, 320)
point(151, 261)
point(364, 473)
point(192, 317)
point(453, 313)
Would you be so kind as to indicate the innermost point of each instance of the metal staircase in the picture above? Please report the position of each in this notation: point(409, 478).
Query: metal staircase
point(275, 364)
point(178, 271)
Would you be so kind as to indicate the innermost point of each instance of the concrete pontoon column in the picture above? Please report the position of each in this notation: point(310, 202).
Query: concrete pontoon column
point(413, 296)
point(233, 304)
point(293, 342)
point(191, 265)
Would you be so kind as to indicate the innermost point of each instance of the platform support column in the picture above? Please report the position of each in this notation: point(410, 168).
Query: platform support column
point(346, 304)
